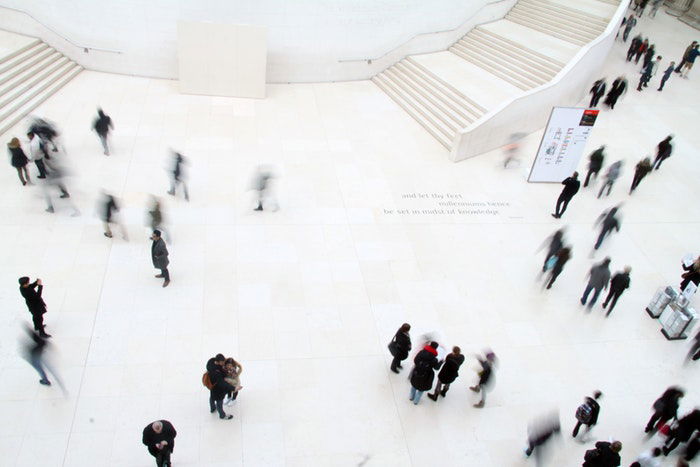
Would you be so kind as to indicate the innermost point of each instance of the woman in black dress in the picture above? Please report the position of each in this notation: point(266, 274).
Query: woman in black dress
point(18, 160)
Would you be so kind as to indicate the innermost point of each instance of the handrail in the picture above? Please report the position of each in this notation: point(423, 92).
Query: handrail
point(85, 48)
point(370, 60)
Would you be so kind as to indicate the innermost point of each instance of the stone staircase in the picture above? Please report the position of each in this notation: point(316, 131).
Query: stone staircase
point(443, 109)
point(28, 76)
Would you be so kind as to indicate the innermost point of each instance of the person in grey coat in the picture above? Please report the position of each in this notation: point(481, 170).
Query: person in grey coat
point(159, 256)
point(598, 278)
point(611, 177)
point(608, 221)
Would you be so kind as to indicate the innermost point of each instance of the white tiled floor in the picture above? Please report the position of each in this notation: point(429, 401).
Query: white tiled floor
point(308, 297)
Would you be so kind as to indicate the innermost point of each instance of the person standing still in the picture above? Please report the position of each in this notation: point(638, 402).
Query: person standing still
point(631, 22)
point(641, 170)
point(663, 151)
point(400, 346)
point(595, 163)
point(19, 161)
point(689, 61)
point(647, 72)
point(666, 75)
point(685, 55)
point(159, 256)
point(598, 278)
point(423, 372)
point(571, 186)
point(618, 284)
point(448, 373)
point(102, 125)
point(34, 302)
point(159, 438)
point(36, 153)
point(587, 413)
point(219, 389)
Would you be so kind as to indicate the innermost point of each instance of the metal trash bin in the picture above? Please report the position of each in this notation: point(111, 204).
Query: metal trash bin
point(663, 296)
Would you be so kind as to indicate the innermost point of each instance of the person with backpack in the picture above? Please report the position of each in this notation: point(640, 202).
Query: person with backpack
point(485, 377)
point(214, 380)
point(448, 373)
point(665, 408)
point(423, 373)
point(561, 258)
point(587, 413)
point(399, 347)
point(605, 454)
point(102, 125)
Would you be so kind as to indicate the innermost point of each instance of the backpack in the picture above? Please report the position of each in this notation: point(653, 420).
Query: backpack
point(584, 413)
point(206, 381)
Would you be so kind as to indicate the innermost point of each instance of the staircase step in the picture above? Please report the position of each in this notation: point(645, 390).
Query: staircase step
point(37, 96)
point(468, 111)
point(36, 79)
point(24, 73)
point(548, 61)
point(16, 59)
point(20, 51)
point(552, 24)
point(506, 60)
point(446, 84)
point(497, 63)
point(457, 113)
point(413, 110)
point(476, 60)
point(26, 65)
point(536, 10)
point(539, 68)
point(572, 13)
point(537, 27)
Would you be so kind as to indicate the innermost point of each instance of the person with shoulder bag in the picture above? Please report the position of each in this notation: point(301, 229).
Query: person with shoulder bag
point(400, 346)
point(587, 413)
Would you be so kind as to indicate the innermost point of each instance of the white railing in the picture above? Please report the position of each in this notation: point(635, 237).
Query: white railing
point(529, 111)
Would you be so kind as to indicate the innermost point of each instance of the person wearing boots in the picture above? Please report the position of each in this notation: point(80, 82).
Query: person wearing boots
point(35, 303)
point(448, 373)
point(399, 347)
point(423, 373)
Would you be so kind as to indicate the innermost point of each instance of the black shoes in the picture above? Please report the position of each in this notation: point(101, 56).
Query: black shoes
point(395, 370)
point(226, 417)
point(45, 382)
point(433, 397)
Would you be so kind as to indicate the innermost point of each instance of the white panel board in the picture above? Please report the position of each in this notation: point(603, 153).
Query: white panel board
point(563, 143)
point(221, 59)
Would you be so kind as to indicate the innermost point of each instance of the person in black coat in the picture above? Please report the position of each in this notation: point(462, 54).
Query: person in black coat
point(102, 125)
point(608, 221)
point(448, 373)
point(641, 170)
point(618, 284)
point(634, 45)
point(35, 304)
point(597, 91)
point(217, 393)
point(399, 347)
point(605, 454)
point(563, 255)
point(159, 437)
point(587, 413)
point(665, 408)
point(19, 160)
point(617, 89)
point(159, 256)
point(683, 431)
point(694, 352)
point(595, 164)
point(571, 186)
point(485, 377)
point(423, 373)
point(691, 274)
point(109, 208)
point(663, 151)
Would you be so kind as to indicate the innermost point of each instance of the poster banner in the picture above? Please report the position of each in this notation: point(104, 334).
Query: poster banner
point(563, 143)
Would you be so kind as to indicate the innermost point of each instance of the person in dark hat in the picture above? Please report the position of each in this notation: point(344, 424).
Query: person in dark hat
point(159, 256)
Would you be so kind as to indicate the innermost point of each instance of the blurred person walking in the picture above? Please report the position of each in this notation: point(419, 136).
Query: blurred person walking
point(587, 413)
point(641, 50)
point(102, 126)
point(36, 154)
point(608, 221)
point(629, 24)
point(666, 75)
point(682, 431)
point(598, 278)
point(596, 92)
point(159, 257)
point(663, 151)
point(34, 352)
point(400, 346)
point(19, 160)
point(539, 433)
point(665, 408)
point(648, 458)
point(156, 219)
point(261, 185)
point(35, 303)
point(647, 73)
point(618, 284)
point(571, 186)
point(611, 177)
point(55, 177)
point(561, 258)
point(159, 438)
point(448, 373)
point(512, 149)
point(178, 175)
point(423, 373)
point(694, 352)
point(556, 242)
point(595, 163)
point(691, 274)
point(635, 43)
point(485, 376)
point(618, 88)
point(108, 209)
point(641, 170)
point(649, 55)
point(655, 5)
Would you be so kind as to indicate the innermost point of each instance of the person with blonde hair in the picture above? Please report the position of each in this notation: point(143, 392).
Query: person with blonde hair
point(19, 160)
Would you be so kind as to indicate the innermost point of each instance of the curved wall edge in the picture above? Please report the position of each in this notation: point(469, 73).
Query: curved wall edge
point(568, 88)
point(297, 52)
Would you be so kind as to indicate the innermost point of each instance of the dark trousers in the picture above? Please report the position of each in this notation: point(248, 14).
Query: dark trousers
point(441, 388)
point(174, 183)
point(694, 351)
point(38, 319)
point(601, 237)
point(663, 81)
point(395, 363)
point(588, 176)
point(656, 419)
point(595, 99)
point(626, 34)
point(612, 297)
point(562, 203)
point(216, 404)
point(165, 273)
point(553, 277)
point(635, 181)
point(579, 424)
point(42, 168)
point(680, 65)
point(609, 184)
point(596, 293)
point(658, 161)
point(162, 456)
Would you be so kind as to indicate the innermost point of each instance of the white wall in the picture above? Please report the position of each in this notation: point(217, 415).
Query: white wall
point(308, 40)
point(572, 83)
